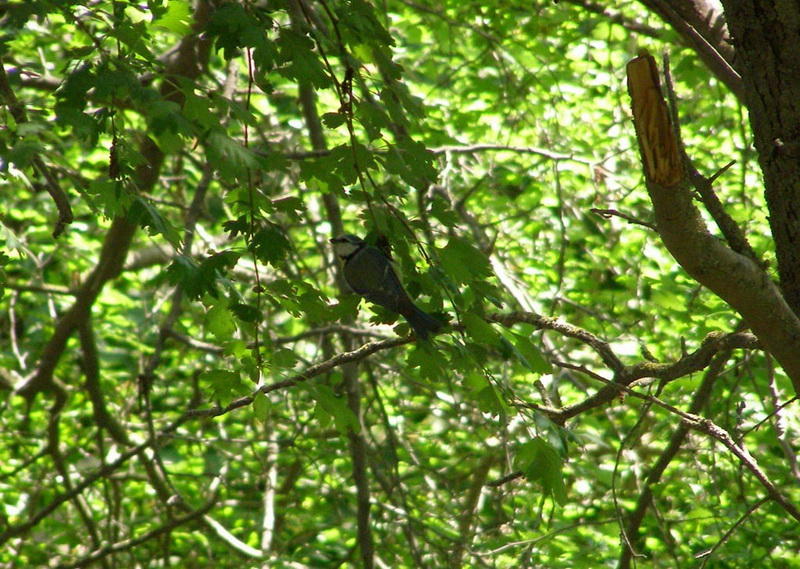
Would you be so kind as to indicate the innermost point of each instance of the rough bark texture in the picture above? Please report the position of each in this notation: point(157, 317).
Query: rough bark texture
point(766, 34)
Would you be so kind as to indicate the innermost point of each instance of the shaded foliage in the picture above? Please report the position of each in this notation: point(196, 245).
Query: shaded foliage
point(187, 383)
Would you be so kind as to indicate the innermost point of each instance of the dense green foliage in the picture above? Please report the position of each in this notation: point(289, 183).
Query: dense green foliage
point(214, 149)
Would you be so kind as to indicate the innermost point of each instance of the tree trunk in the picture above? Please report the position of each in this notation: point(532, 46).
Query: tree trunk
point(766, 35)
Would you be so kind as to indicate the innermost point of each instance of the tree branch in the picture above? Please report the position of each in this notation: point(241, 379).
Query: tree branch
point(699, 401)
point(304, 18)
point(708, 427)
point(732, 276)
point(706, 555)
point(102, 472)
point(51, 184)
point(120, 234)
point(702, 24)
point(115, 245)
point(619, 18)
point(624, 374)
point(128, 544)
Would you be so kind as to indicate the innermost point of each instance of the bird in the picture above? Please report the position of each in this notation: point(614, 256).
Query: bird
point(369, 273)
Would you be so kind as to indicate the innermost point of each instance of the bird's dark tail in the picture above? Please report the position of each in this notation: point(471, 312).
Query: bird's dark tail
point(423, 323)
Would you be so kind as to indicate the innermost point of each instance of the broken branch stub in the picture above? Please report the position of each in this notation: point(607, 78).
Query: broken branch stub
point(654, 129)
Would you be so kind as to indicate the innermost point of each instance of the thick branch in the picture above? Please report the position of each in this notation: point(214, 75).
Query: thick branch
point(767, 36)
point(103, 418)
point(732, 276)
point(693, 362)
point(116, 244)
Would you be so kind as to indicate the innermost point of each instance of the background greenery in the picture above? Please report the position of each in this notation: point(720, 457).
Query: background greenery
point(186, 384)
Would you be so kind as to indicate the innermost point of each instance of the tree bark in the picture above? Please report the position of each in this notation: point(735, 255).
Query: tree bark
point(767, 39)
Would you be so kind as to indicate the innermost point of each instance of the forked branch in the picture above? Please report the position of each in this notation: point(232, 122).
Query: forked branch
point(730, 275)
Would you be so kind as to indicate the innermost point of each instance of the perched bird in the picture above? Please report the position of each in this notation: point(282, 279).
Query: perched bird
point(368, 271)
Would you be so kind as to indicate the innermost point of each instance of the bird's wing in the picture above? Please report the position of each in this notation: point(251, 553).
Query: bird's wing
point(370, 274)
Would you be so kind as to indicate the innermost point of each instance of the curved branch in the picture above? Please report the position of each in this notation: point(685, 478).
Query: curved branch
point(313, 371)
point(690, 363)
point(703, 425)
point(601, 347)
point(708, 427)
point(730, 275)
point(116, 244)
point(624, 375)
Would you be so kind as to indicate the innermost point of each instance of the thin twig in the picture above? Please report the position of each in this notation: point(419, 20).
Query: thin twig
point(645, 499)
point(608, 213)
point(706, 555)
point(128, 544)
point(102, 472)
point(713, 430)
point(506, 479)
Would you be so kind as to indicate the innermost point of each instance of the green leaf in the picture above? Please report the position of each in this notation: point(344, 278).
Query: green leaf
point(23, 152)
point(332, 406)
point(271, 245)
point(314, 305)
point(197, 280)
point(228, 156)
point(213, 461)
point(532, 356)
point(484, 394)
point(333, 120)
point(262, 407)
point(527, 353)
point(540, 462)
point(245, 312)
point(430, 362)
point(304, 64)
point(177, 18)
point(220, 322)
point(442, 210)
point(462, 261)
point(230, 25)
point(413, 162)
point(144, 213)
point(200, 110)
point(480, 330)
point(284, 359)
point(225, 385)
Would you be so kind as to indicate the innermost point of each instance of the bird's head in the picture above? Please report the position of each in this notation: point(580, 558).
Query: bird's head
point(346, 244)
